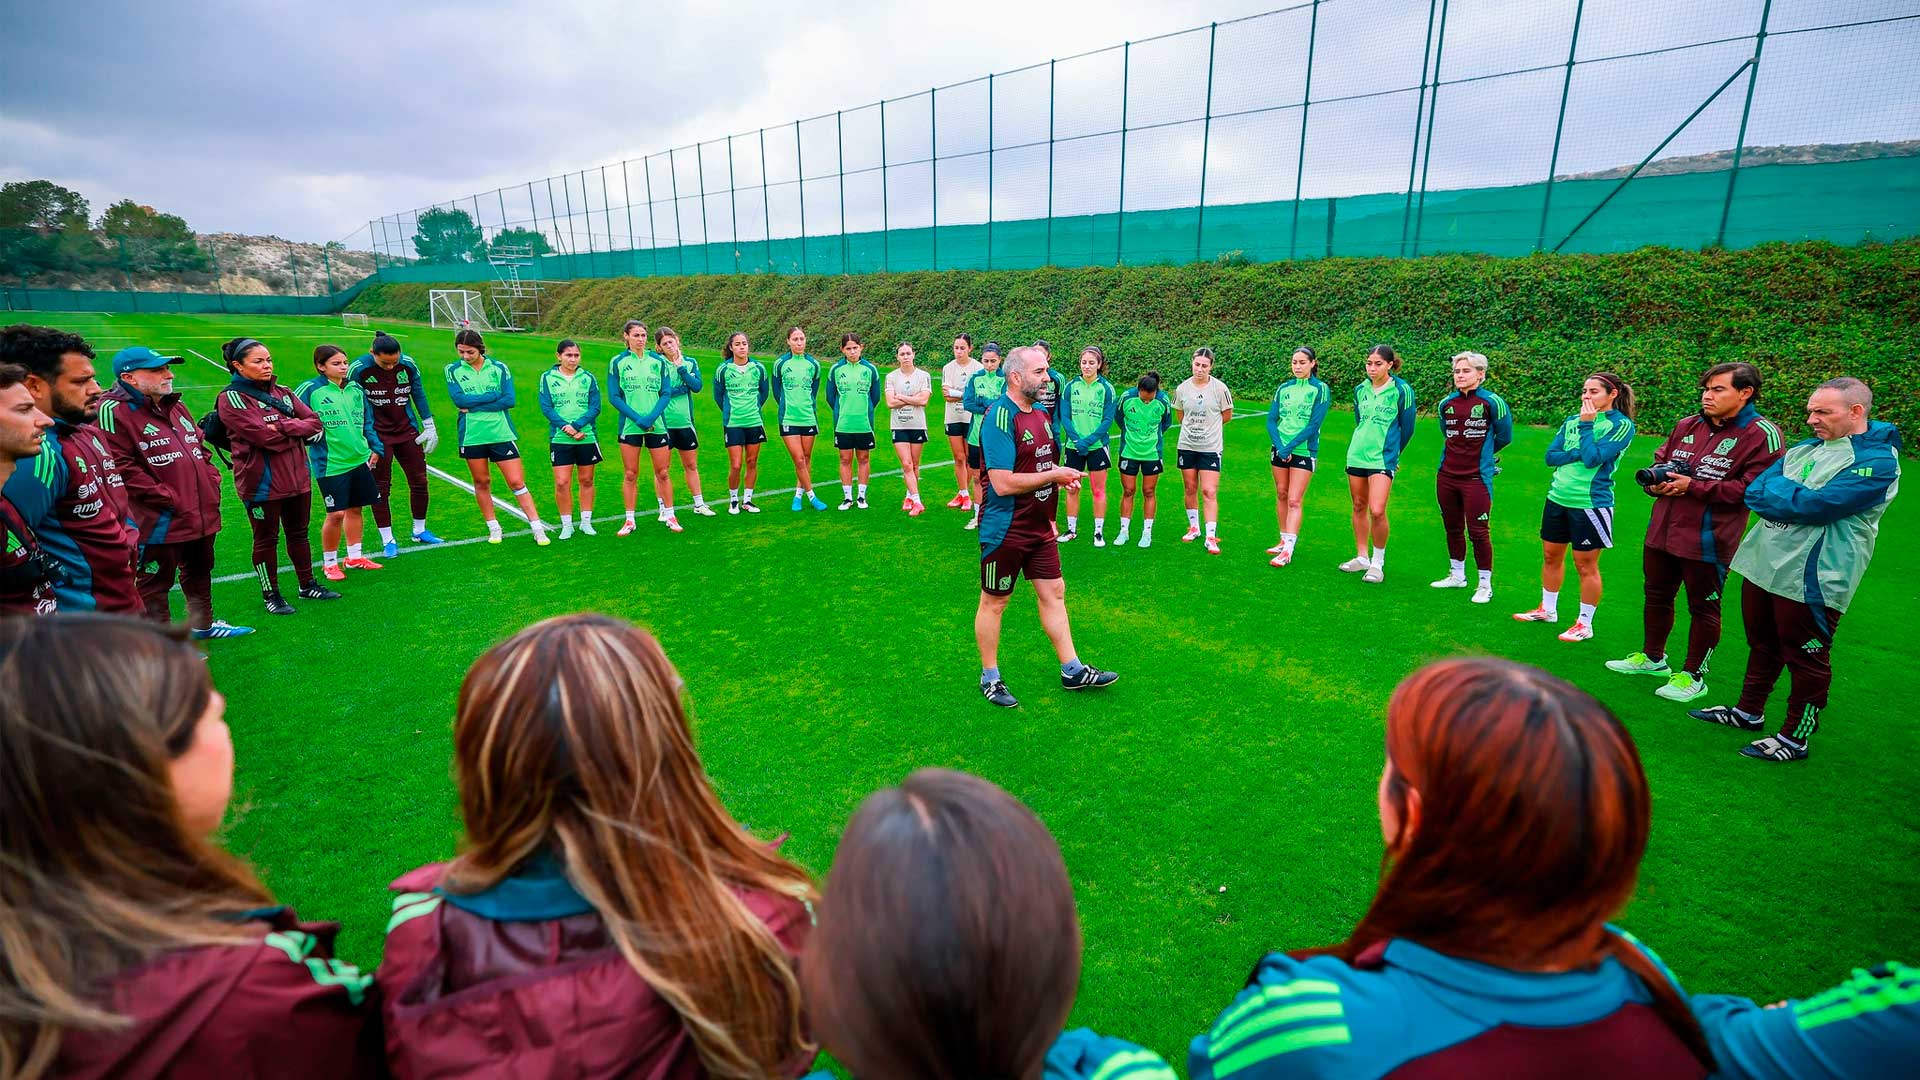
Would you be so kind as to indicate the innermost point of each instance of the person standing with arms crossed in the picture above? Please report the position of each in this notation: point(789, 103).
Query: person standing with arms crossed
point(341, 461)
point(1143, 416)
point(953, 387)
point(1205, 406)
point(853, 392)
point(1016, 527)
point(570, 400)
point(1383, 421)
point(741, 389)
point(1293, 427)
point(482, 389)
point(796, 390)
point(909, 388)
point(1086, 415)
point(1819, 506)
point(1579, 512)
point(1475, 424)
point(683, 383)
point(173, 487)
point(400, 417)
point(1699, 513)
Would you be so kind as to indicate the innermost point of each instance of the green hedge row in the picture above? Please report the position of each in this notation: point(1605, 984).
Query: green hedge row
point(1803, 312)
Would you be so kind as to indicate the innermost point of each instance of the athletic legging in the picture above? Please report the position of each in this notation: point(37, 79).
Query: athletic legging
point(413, 463)
point(1465, 506)
point(295, 514)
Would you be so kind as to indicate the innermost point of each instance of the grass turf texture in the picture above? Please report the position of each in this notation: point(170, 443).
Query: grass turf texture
point(828, 654)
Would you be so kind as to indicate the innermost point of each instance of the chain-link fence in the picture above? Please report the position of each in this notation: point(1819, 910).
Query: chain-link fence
point(1332, 127)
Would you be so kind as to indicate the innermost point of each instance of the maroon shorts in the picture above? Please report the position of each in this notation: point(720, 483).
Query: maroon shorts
point(1036, 557)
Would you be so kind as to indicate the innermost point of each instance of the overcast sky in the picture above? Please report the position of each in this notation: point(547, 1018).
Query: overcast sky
point(307, 120)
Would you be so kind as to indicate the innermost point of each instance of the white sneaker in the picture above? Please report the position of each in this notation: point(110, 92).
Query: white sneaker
point(540, 534)
point(1359, 564)
point(972, 523)
point(1146, 540)
point(1374, 575)
point(566, 530)
point(1065, 537)
point(1483, 594)
point(704, 510)
point(1120, 538)
point(586, 527)
point(1451, 581)
point(1579, 631)
point(1099, 540)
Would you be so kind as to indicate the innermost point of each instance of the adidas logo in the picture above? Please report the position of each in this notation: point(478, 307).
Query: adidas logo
point(150, 430)
point(1711, 597)
point(1813, 645)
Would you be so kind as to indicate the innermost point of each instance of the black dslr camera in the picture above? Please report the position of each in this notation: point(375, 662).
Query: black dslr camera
point(1661, 473)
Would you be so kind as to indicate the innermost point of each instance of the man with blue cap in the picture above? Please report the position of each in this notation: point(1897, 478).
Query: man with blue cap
point(173, 487)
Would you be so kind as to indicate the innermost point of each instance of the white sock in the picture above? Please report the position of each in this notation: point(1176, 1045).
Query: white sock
point(330, 558)
point(863, 491)
point(493, 526)
point(747, 494)
point(1486, 579)
point(1287, 540)
point(733, 494)
point(419, 526)
point(353, 551)
point(1193, 519)
point(1379, 560)
point(1459, 567)
point(664, 512)
point(386, 534)
point(629, 517)
point(1550, 601)
point(1099, 526)
point(1146, 525)
point(1073, 523)
point(846, 492)
point(1586, 613)
point(1211, 526)
point(699, 500)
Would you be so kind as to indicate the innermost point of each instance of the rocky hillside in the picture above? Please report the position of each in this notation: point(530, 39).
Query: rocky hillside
point(248, 266)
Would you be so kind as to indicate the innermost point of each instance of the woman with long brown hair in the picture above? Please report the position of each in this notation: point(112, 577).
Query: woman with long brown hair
point(130, 943)
point(948, 947)
point(1515, 814)
point(606, 916)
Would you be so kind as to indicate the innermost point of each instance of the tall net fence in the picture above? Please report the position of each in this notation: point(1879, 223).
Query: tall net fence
point(1329, 128)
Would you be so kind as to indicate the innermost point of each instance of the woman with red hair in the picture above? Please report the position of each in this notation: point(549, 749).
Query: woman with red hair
point(1515, 814)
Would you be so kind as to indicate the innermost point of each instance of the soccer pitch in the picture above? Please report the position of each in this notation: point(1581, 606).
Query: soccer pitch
point(1216, 803)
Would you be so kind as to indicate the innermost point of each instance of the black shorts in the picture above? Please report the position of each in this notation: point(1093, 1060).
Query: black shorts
point(1583, 530)
point(644, 440)
point(349, 490)
point(800, 430)
point(910, 435)
point(1094, 460)
point(1291, 461)
point(683, 438)
point(1138, 467)
point(974, 460)
point(1038, 558)
point(853, 440)
point(566, 454)
point(491, 451)
point(1205, 461)
point(747, 436)
point(1355, 470)
point(959, 429)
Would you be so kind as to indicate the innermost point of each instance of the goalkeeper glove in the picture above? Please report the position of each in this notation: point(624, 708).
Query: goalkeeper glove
point(429, 437)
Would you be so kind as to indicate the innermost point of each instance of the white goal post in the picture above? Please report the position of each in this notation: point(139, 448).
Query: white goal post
point(454, 309)
point(349, 318)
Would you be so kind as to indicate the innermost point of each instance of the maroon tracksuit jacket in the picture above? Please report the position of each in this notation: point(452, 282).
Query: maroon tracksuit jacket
point(1706, 523)
point(280, 1008)
point(523, 980)
point(173, 488)
point(269, 427)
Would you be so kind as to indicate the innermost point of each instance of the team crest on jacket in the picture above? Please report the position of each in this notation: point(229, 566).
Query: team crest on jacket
point(1478, 411)
point(1727, 444)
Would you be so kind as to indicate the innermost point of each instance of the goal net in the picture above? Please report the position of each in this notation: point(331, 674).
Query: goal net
point(348, 318)
point(455, 309)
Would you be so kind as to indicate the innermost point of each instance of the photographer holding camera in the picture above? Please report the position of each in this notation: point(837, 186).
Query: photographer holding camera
point(1699, 482)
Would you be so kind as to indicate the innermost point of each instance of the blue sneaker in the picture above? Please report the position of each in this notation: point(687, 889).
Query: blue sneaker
point(797, 499)
point(425, 536)
point(392, 549)
point(220, 628)
point(815, 499)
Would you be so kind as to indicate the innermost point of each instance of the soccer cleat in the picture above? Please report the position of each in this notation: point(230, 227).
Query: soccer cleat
point(915, 508)
point(1359, 564)
point(1728, 716)
point(1775, 748)
point(627, 526)
point(1579, 631)
point(586, 526)
point(317, 591)
point(798, 501)
point(1538, 614)
point(495, 538)
point(277, 604)
point(540, 536)
point(1099, 540)
point(362, 563)
point(566, 530)
point(966, 502)
point(846, 504)
point(425, 536)
point(906, 504)
point(390, 549)
point(815, 500)
point(1281, 559)
point(733, 507)
point(959, 499)
point(332, 572)
point(704, 510)
point(1277, 548)
point(1451, 581)
point(1483, 595)
point(1682, 686)
point(996, 692)
point(749, 506)
point(1640, 663)
point(1374, 575)
point(972, 523)
point(672, 523)
point(1193, 533)
point(220, 628)
point(1120, 538)
point(860, 501)
point(1088, 678)
point(1213, 545)
point(1065, 537)
point(1146, 539)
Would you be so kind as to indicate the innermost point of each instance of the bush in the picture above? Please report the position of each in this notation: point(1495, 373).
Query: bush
point(1658, 317)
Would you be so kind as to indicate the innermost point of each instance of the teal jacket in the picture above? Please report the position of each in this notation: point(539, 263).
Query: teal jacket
point(1819, 508)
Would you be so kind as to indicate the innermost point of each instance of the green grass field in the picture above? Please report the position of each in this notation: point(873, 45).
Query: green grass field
point(1218, 802)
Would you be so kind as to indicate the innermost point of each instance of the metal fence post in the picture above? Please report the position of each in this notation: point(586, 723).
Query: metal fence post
point(886, 223)
point(679, 232)
point(1740, 141)
point(294, 265)
point(700, 173)
point(990, 170)
point(606, 214)
point(1120, 217)
point(840, 166)
point(326, 262)
point(1048, 261)
point(653, 230)
point(573, 241)
point(1206, 136)
point(501, 198)
point(933, 137)
point(534, 209)
point(1433, 110)
point(1300, 163)
point(220, 289)
point(626, 196)
point(766, 204)
point(800, 181)
point(1553, 162)
point(733, 210)
point(1419, 118)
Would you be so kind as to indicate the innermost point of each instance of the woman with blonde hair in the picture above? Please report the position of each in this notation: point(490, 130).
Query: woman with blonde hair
point(131, 943)
point(606, 915)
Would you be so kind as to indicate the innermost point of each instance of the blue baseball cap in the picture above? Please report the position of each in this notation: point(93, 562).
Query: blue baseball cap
point(139, 358)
